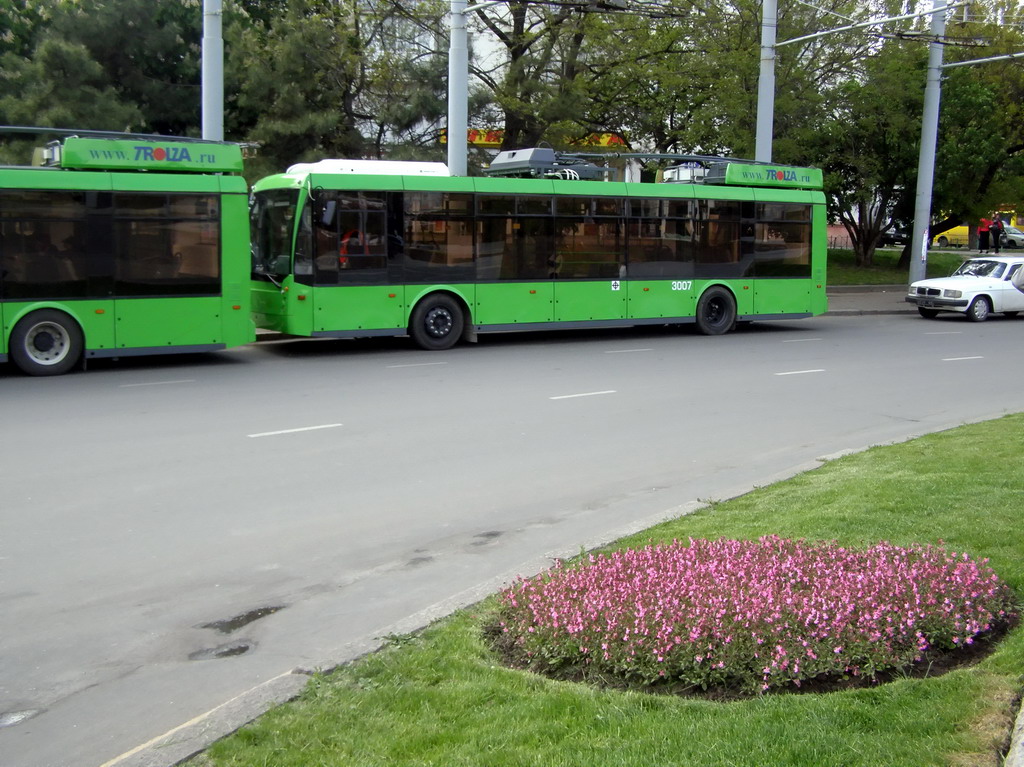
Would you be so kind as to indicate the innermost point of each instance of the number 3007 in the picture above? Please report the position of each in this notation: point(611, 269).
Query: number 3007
point(682, 285)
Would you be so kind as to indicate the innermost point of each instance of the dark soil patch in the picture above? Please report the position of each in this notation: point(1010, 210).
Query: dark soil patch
point(935, 662)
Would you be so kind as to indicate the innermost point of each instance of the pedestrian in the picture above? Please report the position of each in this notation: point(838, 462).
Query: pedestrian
point(983, 226)
point(995, 232)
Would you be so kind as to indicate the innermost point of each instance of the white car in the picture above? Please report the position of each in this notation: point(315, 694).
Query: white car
point(1012, 237)
point(979, 287)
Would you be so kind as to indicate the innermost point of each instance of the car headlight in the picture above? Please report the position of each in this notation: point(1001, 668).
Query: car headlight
point(952, 293)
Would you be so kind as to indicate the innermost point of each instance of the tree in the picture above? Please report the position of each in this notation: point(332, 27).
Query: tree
point(62, 86)
point(868, 148)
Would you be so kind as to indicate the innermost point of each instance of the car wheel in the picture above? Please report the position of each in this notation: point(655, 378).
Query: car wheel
point(436, 323)
point(1010, 244)
point(46, 343)
point(928, 314)
point(716, 312)
point(979, 309)
point(943, 242)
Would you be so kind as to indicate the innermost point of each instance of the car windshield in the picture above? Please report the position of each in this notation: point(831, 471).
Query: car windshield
point(1007, 229)
point(980, 268)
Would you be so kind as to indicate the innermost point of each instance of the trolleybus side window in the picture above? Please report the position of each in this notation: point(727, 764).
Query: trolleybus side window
point(42, 244)
point(515, 239)
point(166, 244)
point(661, 241)
point(589, 238)
point(783, 244)
point(438, 239)
point(350, 235)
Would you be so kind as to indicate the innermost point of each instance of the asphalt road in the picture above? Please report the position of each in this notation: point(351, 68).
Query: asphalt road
point(333, 492)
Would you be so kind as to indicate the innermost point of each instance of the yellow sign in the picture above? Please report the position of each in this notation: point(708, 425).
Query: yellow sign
point(493, 137)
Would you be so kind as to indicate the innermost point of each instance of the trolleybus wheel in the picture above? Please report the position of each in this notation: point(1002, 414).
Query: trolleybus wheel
point(716, 312)
point(46, 343)
point(436, 323)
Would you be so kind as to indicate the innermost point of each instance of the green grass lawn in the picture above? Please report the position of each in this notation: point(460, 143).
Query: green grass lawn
point(440, 697)
point(843, 271)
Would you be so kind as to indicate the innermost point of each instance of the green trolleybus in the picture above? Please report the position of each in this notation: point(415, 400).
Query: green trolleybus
point(347, 249)
point(121, 245)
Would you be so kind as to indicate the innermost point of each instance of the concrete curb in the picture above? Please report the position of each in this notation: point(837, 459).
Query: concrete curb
point(1015, 756)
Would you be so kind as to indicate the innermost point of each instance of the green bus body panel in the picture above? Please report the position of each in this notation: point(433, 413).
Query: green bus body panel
point(514, 303)
point(134, 154)
point(268, 307)
point(53, 178)
point(375, 307)
point(649, 299)
point(181, 322)
point(598, 300)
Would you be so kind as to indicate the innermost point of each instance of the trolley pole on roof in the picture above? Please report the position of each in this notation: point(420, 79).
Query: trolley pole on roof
point(213, 71)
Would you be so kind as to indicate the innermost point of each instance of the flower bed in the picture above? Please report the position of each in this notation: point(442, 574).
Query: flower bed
point(751, 615)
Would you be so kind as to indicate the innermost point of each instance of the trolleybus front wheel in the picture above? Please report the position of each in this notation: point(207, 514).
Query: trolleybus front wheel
point(716, 312)
point(46, 343)
point(436, 323)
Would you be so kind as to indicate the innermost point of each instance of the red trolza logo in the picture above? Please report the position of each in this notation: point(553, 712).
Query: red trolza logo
point(781, 175)
point(161, 154)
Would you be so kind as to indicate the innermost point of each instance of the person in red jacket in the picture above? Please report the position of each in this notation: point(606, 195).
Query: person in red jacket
point(983, 227)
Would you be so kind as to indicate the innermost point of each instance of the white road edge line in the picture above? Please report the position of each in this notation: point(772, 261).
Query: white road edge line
point(293, 431)
point(585, 394)
point(800, 372)
point(416, 364)
point(191, 721)
point(801, 340)
point(626, 351)
point(157, 383)
point(958, 359)
point(944, 333)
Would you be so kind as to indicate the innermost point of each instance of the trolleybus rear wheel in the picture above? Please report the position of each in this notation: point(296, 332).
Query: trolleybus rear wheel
point(436, 323)
point(716, 312)
point(46, 343)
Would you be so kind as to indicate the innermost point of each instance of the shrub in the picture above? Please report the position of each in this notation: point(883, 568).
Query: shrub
point(750, 615)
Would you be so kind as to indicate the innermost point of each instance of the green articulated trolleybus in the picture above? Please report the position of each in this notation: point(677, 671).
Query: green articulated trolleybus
point(118, 244)
point(350, 248)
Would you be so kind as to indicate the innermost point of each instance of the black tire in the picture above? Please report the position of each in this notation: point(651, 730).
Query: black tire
point(716, 311)
point(437, 323)
point(46, 343)
point(928, 314)
point(979, 310)
point(942, 242)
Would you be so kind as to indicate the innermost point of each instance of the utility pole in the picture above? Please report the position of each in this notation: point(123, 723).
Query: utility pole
point(929, 139)
point(213, 71)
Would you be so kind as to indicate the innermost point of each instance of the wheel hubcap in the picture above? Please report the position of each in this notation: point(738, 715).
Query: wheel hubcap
point(47, 343)
point(439, 322)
